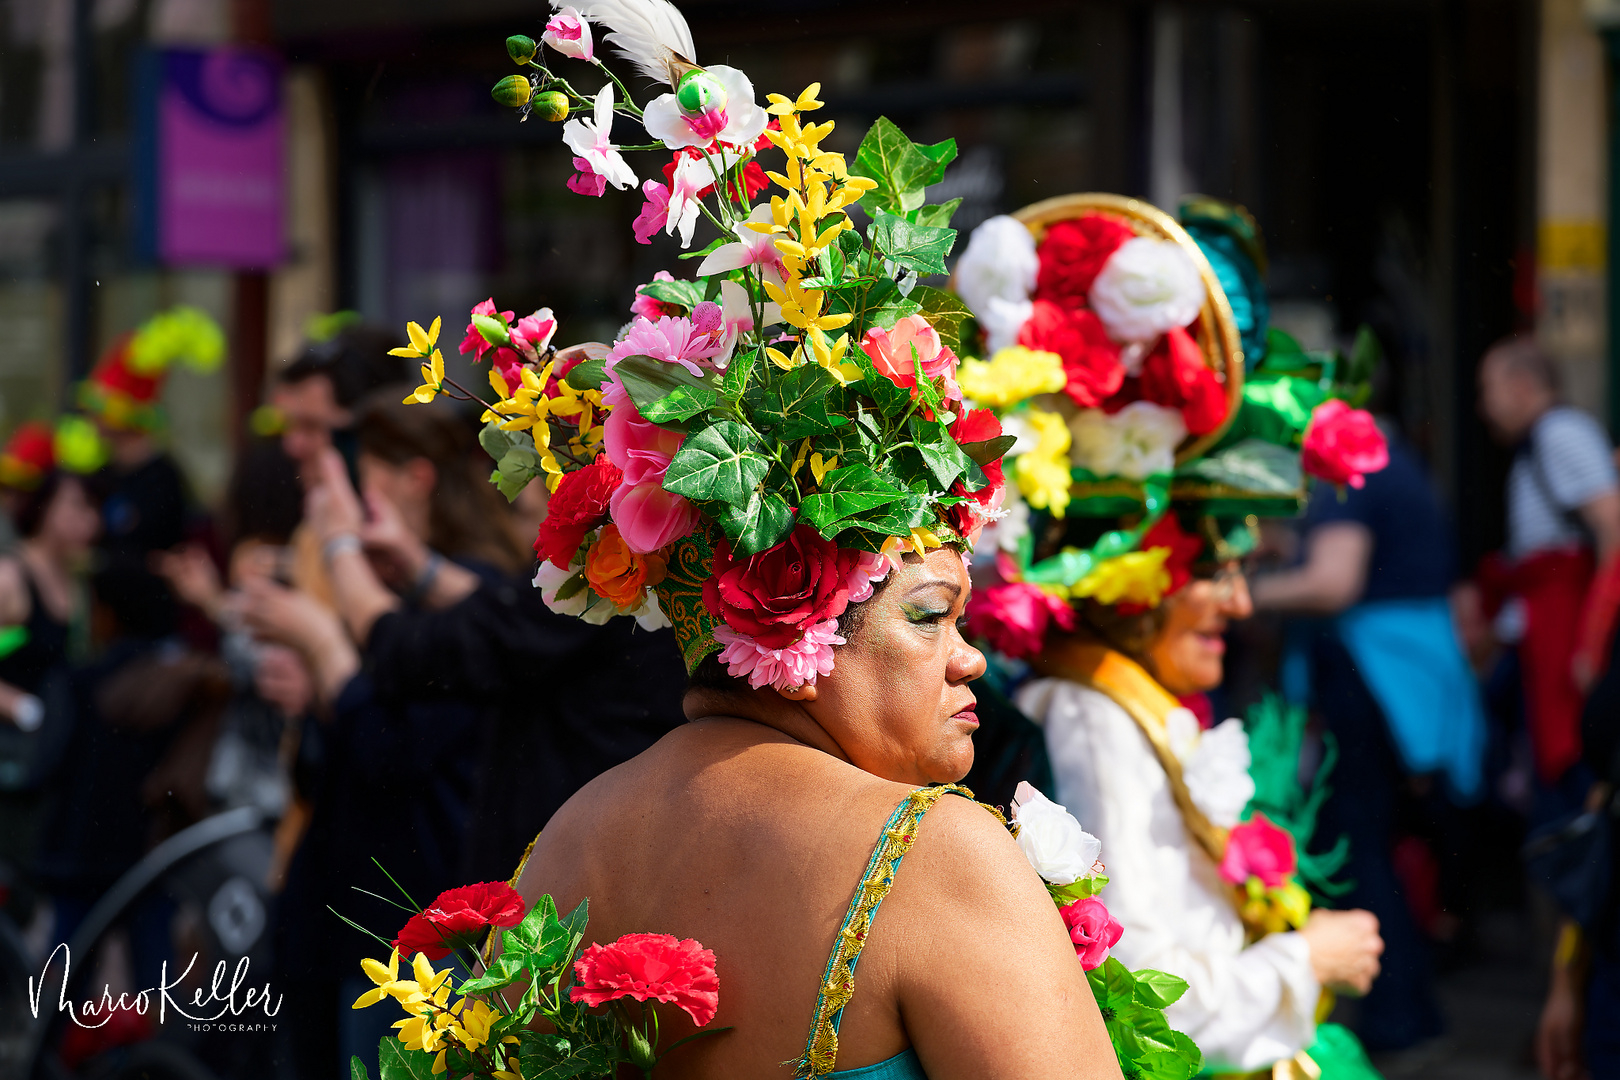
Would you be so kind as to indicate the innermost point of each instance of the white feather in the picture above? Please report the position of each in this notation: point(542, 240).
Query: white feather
point(652, 34)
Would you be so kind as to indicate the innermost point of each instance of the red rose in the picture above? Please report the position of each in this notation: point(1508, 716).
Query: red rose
point(652, 967)
point(1175, 375)
point(1092, 929)
point(1071, 254)
point(458, 918)
point(977, 425)
point(1090, 359)
point(776, 595)
point(1343, 444)
point(1014, 618)
point(579, 505)
point(1184, 551)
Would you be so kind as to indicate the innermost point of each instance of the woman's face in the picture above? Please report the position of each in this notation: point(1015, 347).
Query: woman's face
point(408, 486)
point(898, 702)
point(70, 522)
point(1187, 655)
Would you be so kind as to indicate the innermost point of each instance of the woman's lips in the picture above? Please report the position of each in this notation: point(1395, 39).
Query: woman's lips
point(1215, 643)
point(967, 716)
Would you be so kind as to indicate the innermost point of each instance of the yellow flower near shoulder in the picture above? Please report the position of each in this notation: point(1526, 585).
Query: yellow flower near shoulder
point(1043, 473)
point(1012, 375)
point(1135, 578)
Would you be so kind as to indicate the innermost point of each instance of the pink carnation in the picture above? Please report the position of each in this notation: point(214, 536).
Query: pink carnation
point(1014, 618)
point(1092, 929)
point(1257, 848)
point(797, 664)
point(1343, 444)
point(675, 339)
point(870, 568)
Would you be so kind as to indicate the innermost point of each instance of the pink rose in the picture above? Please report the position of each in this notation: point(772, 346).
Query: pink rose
point(648, 516)
point(532, 334)
point(1014, 618)
point(1257, 848)
point(1343, 444)
point(1092, 930)
point(913, 343)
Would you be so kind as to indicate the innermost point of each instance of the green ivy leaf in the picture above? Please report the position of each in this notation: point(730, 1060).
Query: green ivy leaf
point(720, 463)
point(901, 168)
point(394, 1062)
point(896, 519)
point(944, 311)
point(943, 458)
point(760, 525)
point(921, 248)
point(796, 404)
point(1252, 465)
point(683, 294)
point(649, 382)
point(938, 215)
point(845, 493)
point(357, 1068)
point(891, 400)
point(588, 374)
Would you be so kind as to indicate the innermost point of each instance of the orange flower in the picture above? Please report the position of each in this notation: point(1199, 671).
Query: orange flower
point(618, 574)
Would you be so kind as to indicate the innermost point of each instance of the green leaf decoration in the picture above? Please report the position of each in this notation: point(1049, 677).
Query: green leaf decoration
point(891, 400)
point(938, 215)
point(1253, 466)
point(759, 526)
point(1079, 889)
point(682, 403)
point(588, 374)
point(555, 1057)
point(1365, 355)
point(721, 463)
point(983, 453)
point(708, 249)
point(1157, 989)
point(649, 381)
point(493, 329)
point(1132, 1005)
point(902, 169)
point(944, 459)
point(895, 519)
point(920, 248)
point(1284, 352)
point(394, 1062)
point(357, 1068)
point(848, 492)
point(796, 404)
point(945, 311)
point(739, 373)
point(683, 294)
point(852, 444)
point(517, 462)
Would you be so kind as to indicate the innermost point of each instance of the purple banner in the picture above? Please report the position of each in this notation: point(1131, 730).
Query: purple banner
point(221, 152)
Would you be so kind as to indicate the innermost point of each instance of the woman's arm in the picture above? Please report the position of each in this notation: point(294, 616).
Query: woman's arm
point(1332, 577)
point(989, 984)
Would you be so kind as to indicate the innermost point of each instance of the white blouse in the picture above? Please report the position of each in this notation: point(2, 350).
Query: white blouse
point(1246, 1008)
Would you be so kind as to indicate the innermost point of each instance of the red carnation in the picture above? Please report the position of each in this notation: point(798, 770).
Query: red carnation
point(1071, 254)
point(579, 505)
point(1175, 375)
point(776, 595)
point(977, 425)
point(653, 967)
point(1090, 359)
point(458, 918)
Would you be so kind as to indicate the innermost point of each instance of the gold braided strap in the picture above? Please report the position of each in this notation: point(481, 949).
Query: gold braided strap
point(838, 984)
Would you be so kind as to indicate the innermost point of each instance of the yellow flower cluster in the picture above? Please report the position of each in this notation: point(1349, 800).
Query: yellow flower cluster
point(1043, 473)
point(1012, 375)
point(818, 187)
point(1273, 911)
point(528, 408)
point(1135, 578)
point(424, 344)
point(435, 1023)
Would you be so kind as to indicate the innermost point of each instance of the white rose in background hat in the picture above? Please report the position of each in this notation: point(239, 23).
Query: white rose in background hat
point(999, 262)
point(1135, 443)
point(1053, 841)
point(1146, 287)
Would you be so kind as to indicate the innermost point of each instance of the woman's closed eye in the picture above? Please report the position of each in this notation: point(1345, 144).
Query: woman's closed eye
point(923, 615)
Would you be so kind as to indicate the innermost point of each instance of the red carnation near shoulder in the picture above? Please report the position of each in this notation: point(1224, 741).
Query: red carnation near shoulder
point(458, 918)
point(778, 594)
point(650, 967)
point(1072, 253)
point(579, 505)
point(1090, 359)
point(1174, 375)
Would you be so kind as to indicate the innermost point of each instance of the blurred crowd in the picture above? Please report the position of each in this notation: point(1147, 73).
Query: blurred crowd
point(349, 648)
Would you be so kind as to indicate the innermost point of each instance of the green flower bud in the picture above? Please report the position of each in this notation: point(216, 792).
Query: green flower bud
point(699, 92)
point(521, 48)
point(513, 91)
point(551, 105)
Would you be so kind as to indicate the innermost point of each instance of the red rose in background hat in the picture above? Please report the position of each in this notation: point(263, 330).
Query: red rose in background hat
point(579, 505)
point(776, 595)
point(1090, 360)
point(1175, 375)
point(1071, 254)
point(1343, 444)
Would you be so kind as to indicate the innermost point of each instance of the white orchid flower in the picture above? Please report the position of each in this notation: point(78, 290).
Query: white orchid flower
point(592, 140)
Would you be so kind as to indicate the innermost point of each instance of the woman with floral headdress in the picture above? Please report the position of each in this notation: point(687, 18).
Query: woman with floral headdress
point(1119, 346)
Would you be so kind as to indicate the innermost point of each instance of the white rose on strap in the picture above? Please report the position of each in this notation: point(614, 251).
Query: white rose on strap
point(1051, 839)
point(1146, 287)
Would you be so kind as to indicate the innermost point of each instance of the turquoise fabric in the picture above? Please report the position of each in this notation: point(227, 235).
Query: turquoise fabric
point(903, 1066)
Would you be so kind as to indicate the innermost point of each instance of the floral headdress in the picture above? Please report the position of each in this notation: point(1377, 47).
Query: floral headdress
point(125, 388)
point(1129, 355)
point(766, 439)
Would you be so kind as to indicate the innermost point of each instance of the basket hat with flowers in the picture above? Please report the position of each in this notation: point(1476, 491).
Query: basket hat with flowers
point(1130, 357)
point(769, 435)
